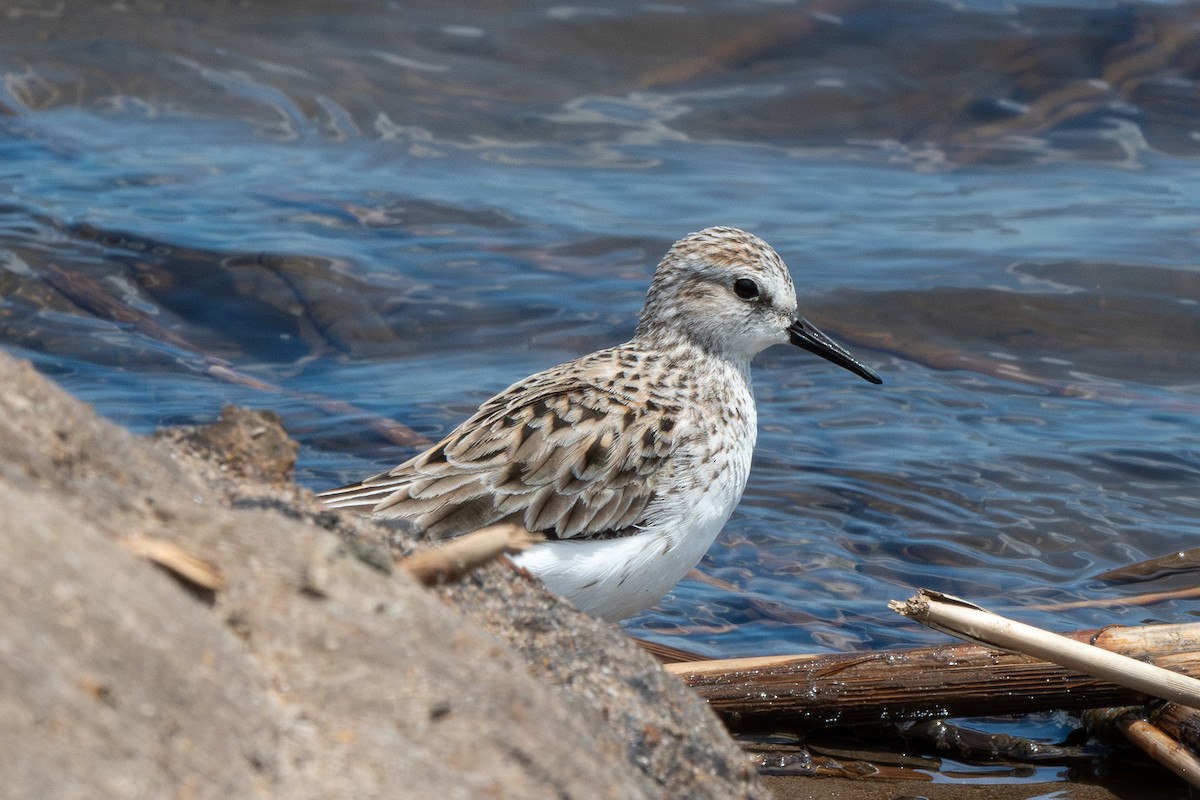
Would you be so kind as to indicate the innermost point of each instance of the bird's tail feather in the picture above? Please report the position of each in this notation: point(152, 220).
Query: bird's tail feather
point(356, 495)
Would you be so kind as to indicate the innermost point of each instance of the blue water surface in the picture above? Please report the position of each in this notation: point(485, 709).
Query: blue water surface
point(1035, 322)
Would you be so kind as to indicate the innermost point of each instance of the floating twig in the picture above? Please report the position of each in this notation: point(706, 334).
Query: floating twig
point(1157, 567)
point(1147, 599)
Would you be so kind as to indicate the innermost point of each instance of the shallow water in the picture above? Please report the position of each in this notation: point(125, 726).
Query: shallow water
point(410, 208)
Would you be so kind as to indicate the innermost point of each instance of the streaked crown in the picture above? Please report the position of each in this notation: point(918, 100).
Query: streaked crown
point(724, 290)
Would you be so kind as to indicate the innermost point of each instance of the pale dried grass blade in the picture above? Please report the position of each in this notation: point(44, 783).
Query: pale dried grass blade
point(175, 560)
point(965, 620)
point(459, 556)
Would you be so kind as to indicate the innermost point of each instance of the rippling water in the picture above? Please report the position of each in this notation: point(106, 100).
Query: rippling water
point(408, 208)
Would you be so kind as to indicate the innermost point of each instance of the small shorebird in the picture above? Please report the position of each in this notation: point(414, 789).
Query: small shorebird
point(628, 460)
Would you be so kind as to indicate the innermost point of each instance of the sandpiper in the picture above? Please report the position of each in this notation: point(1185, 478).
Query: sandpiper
point(628, 460)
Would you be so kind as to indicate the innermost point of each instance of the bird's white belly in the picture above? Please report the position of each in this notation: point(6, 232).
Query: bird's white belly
point(616, 578)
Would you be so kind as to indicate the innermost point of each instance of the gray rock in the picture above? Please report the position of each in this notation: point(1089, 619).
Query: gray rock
point(311, 672)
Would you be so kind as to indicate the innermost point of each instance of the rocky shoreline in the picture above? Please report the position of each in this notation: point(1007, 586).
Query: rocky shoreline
point(312, 671)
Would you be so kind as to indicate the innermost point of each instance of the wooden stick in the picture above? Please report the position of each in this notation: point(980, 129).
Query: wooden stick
point(458, 556)
point(1144, 642)
point(665, 653)
point(1157, 567)
point(1180, 722)
point(951, 680)
point(967, 621)
point(1162, 748)
point(1147, 599)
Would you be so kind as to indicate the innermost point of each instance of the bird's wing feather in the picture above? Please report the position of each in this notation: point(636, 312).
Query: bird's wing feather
point(558, 453)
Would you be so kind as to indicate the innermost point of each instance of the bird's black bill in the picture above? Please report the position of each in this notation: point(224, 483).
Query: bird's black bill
point(804, 334)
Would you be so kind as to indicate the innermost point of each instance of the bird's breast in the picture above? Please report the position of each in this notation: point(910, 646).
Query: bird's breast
point(712, 463)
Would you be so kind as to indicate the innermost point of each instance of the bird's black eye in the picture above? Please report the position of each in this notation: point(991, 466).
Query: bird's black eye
point(745, 288)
